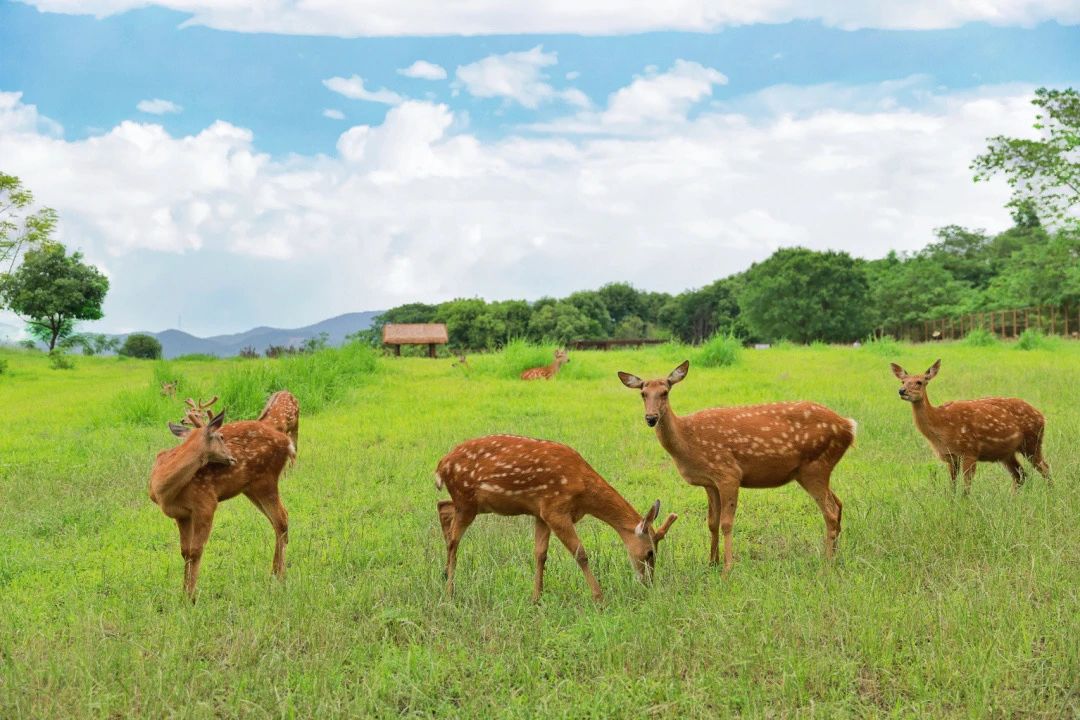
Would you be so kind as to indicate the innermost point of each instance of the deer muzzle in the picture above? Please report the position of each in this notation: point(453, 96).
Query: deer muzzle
point(651, 420)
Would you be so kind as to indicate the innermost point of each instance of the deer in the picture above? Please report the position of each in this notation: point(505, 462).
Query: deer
point(282, 412)
point(512, 475)
point(168, 389)
point(964, 432)
point(214, 463)
point(754, 446)
point(546, 372)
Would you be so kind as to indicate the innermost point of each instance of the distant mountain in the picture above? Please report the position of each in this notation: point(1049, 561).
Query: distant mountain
point(9, 333)
point(178, 342)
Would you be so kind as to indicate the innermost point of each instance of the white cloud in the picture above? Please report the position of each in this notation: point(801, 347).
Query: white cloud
point(424, 70)
point(157, 106)
point(517, 77)
point(355, 18)
point(353, 88)
point(333, 114)
point(416, 209)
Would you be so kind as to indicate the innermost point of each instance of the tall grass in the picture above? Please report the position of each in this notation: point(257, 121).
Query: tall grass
point(719, 351)
point(520, 355)
point(885, 346)
point(980, 337)
point(1034, 339)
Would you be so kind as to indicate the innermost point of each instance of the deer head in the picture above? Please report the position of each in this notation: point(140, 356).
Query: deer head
point(207, 439)
point(913, 387)
point(655, 392)
point(561, 358)
point(642, 546)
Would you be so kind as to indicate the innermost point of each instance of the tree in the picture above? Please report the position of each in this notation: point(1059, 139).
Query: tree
point(563, 321)
point(1041, 274)
point(20, 230)
point(696, 315)
point(622, 300)
point(803, 295)
point(912, 290)
point(51, 290)
point(1044, 173)
point(141, 345)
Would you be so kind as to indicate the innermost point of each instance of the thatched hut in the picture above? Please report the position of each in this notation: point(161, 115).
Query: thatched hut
point(431, 334)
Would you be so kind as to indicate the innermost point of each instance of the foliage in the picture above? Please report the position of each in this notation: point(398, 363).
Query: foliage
point(719, 351)
point(980, 337)
point(910, 290)
point(141, 345)
point(20, 229)
point(91, 343)
point(882, 346)
point(563, 321)
point(1046, 273)
point(804, 295)
point(52, 290)
point(696, 315)
point(59, 360)
point(1034, 339)
point(1043, 173)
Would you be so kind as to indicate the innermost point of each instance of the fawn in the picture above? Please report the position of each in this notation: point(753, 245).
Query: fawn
point(755, 446)
point(511, 475)
point(964, 432)
point(547, 371)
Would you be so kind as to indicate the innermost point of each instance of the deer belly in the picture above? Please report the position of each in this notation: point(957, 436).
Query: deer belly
point(769, 472)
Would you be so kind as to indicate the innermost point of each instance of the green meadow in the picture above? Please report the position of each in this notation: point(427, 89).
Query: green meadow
point(937, 605)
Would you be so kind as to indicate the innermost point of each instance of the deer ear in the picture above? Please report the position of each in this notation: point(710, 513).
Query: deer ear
point(679, 373)
point(898, 371)
point(179, 430)
point(933, 369)
point(216, 421)
point(630, 381)
point(662, 531)
point(643, 526)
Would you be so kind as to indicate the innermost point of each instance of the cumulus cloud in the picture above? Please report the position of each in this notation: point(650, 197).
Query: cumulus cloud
point(333, 114)
point(353, 88)
point(356, 18)
point(157, 106)
point(424, 70)
point(415, 208)
point(517, 77)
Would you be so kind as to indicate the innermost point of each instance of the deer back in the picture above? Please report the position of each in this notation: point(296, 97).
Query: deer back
point(988, 428)
point(282, 412)
point(261, 453)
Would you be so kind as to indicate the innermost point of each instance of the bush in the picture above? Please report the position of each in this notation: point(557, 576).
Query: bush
point(140, 345)
point(1032, 339)
point(58, 360)
point(980, 337)
point(884, 346)
point(720, 351)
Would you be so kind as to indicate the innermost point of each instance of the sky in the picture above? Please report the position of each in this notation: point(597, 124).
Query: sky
point(277, 162)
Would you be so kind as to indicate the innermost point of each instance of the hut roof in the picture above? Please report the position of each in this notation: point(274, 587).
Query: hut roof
point(415, 334)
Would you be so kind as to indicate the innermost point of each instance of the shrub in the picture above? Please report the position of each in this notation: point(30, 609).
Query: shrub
point(719, 351)
point(884, 346)
point(1033, 339)
point(980, 337)
point(58, 360)
point(140, 345)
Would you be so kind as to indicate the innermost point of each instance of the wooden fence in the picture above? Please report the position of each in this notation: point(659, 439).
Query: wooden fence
point(1003, 323)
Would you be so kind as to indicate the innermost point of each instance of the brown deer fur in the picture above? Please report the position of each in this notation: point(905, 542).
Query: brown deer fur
point(213, 464)
point(547, 371)
point(755, 446)
point(963, 432)
point(510, 475)
point(282, 412)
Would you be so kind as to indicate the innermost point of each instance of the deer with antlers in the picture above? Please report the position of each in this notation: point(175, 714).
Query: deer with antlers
point(511, 475)
point(547, 372)
point(754, 446)
point(214, 463)
point(964, 432)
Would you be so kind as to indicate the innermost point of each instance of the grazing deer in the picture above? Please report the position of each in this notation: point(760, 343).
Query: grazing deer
point(168, 389)
point(547, 371)
point(963, 432)
point(510, 475)
point(213, 464)
point(282, 412)
point(754, 446)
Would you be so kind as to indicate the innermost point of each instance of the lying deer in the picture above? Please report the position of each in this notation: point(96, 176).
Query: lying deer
point(547, 371)
point(964, 432)
point(754, 446)
point(168, 389)
point(213, 464)
point(510, 475)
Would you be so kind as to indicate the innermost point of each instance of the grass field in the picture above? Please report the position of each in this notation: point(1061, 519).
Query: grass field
point(937, 606)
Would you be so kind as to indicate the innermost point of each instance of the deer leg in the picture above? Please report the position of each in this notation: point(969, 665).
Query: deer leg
point(184, 526)
point(564, 530)
point(729, 500)
point(1039, 462)
point(953, 463)
point(270, 506)
point(1016, 470)
point(714, 525)
point(815, 481)
point(542, 537)
point(968, 465)
point(202, 521)
point(461, 522)
point(446, 518)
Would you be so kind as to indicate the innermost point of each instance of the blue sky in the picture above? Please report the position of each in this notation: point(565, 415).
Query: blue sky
point(540, 163)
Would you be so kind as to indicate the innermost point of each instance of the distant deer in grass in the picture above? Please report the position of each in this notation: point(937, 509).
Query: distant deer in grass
point(510, 475)
point(963, 432)
point(213, 464)
point(754, 446)
point(547, 371)
point(168, 389)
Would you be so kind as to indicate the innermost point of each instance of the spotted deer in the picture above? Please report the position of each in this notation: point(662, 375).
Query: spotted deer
point(214, 463)
point(168, 389)
point(547, 371)
point(754, 446)
point(963, 432)
point(282, 412)
point(510, 475)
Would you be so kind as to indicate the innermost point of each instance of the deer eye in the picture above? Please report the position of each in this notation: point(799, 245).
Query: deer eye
point(642, 393)
point(918, 382)
point(650, 555)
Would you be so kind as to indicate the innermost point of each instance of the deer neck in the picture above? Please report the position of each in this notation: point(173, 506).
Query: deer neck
point(926, 415)
point(670, 429)
point(173, 471)
point(607, 505)
point(554, 367)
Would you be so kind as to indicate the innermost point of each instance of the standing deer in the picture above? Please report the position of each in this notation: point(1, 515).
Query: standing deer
point(510, 475)
point(754, 446)
point(963, 432)
point(213, 464)
point(547, 371)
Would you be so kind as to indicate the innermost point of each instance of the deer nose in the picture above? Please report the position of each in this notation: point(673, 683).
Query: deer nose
point(902, 392)
point(651, 420)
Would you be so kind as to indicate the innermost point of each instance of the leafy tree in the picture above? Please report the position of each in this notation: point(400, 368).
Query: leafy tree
point(1044, 173)
point(1041, 274)
point(141, 345)
point(965, 254)
point(470, 324)
point(563, 321)
point(912, 290)
point(804, 295)
point(514, 315)
point(622, 300)
point(592, 305)
point(696, 315)
point(20, 229)
point(52, 290)
point(631, 327)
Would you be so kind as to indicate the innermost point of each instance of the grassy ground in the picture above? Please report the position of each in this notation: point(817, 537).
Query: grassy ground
point(936, 607)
